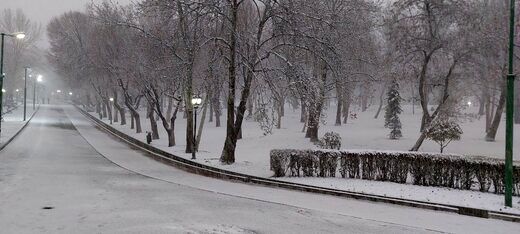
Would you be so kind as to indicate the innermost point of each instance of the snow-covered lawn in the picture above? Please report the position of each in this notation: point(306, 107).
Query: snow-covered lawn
point(365, 132)
point(13, 122)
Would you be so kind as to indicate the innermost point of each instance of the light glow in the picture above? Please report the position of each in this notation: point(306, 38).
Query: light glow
point(19, 35)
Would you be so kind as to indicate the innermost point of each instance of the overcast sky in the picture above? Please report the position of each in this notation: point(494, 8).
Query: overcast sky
point(44, 10)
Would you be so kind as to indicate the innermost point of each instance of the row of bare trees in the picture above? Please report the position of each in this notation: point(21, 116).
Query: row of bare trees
point(250, 58)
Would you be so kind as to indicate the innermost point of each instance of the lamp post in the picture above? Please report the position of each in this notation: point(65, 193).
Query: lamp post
point(18, 35)
point(195, 101)
point(25, 95)
point(111, 107)
point(39, 78)
point(509, 110)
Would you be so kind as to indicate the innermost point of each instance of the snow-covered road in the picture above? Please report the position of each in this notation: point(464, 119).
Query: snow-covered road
point(97, 184)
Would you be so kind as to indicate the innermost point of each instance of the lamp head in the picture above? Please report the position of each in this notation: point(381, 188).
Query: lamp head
point(111, 99)
point(196, 101)
point(20, 36)
point(39, 78)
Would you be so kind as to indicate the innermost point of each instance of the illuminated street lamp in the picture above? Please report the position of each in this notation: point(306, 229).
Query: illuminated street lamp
point(17, 35)
point(195, 101)
point(38, 79)
point(70, 93)
point(111, 107)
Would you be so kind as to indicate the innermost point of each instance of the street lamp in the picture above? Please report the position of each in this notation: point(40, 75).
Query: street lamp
point(38, 79)
point(17, 35)
point(509, 110)
point(195, 101)
point(70, 93)
point(25, 94)
point(111, 107)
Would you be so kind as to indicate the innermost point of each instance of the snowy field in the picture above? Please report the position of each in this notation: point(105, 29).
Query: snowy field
point(365, 132)
point(13, 121)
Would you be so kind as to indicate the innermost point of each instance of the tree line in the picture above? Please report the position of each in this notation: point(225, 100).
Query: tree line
point(247, 59)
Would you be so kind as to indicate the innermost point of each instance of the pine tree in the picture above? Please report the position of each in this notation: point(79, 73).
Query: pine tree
point(392, 111)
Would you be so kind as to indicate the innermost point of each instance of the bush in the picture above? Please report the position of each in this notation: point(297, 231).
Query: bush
point(442, 130)
point(330, 140)
point(427, 169)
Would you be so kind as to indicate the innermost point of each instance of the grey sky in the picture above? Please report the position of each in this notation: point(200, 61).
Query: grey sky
point(44, 10)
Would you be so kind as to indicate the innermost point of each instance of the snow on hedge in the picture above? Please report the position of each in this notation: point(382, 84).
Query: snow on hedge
point(418, 168)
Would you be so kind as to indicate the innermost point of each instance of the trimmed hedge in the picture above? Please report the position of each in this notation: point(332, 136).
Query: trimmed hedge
point(418, 168)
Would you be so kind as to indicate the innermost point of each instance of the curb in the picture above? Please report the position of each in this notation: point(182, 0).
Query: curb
point(208, 171)
point(2, 146)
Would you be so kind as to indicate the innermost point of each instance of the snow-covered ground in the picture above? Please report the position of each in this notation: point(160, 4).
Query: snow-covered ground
point(307, 204)
point(13, 122)
point(365, 132)
point(63, 183)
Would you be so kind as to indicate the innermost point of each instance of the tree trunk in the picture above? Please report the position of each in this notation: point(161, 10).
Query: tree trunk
point(419, 142)
point(137, 119)
point(122, 113)
point(313, 122)
point(492, 132)
point(153, 124)
point(381, 99)
point(481, 105)
point(169, 108)
point(339, 103)
point(119, 110)
point(201, 125)
point(312, 126)
point(280, 112)
point(346, 106)
point(228, 152)
point(98, 109)
point(108, 110)
point(132, 121)
point(303, 113)
point(211, 112)
point(250, 108)
point(218, 113)
point(488, 112)
point(104, 109)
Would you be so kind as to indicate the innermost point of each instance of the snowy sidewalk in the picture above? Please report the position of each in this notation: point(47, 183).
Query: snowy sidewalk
point(13, 123)
point(122, 155)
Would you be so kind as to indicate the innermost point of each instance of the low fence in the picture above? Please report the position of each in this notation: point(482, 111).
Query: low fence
point(428, 169)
